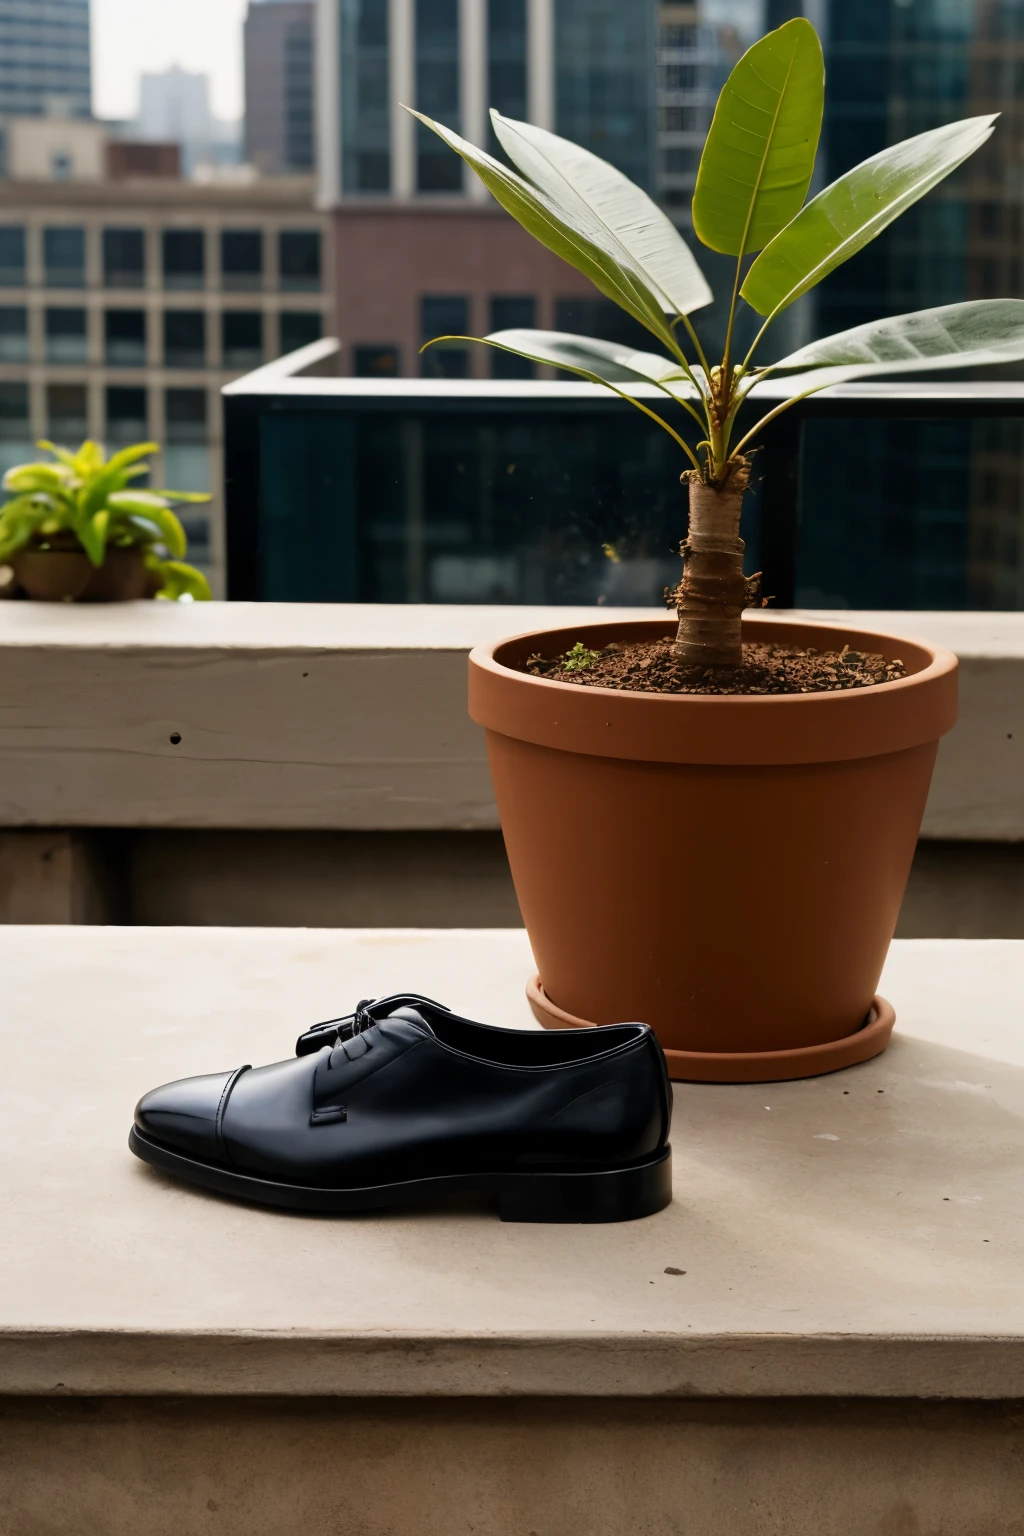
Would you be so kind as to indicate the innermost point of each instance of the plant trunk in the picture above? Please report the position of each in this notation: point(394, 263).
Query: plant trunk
point(713, 593)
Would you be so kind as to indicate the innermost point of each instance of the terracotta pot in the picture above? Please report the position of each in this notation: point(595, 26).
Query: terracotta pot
point(728, 870)
point(122, 578)
point(63, 575)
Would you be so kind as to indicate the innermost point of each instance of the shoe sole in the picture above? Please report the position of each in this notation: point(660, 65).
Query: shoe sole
point(613, 1194)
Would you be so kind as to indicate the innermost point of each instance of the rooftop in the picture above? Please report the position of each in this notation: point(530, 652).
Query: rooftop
point(854, 1234)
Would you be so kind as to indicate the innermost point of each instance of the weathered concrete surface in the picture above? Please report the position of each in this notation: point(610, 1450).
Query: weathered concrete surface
point(528, 1468)
point(857, 1234)
point(350, 716)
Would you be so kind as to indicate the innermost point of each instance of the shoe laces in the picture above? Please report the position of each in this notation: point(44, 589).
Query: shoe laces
point(362, 1018)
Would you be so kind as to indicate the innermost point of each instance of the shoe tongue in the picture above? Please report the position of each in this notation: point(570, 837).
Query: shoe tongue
point(410, 1015)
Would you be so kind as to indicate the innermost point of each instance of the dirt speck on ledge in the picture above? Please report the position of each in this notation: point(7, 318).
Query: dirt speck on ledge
point(650, 666)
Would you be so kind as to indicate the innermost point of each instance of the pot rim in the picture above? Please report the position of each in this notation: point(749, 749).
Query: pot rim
point(717, 729)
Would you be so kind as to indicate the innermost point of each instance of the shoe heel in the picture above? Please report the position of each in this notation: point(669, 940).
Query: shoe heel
point(617, 1194)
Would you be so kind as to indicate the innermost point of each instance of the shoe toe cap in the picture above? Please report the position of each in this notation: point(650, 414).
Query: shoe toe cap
point(184, 1115)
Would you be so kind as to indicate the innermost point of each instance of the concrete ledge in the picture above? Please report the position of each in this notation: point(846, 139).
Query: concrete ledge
point(557, 1467)
point(851, 1235)
point(349, 717)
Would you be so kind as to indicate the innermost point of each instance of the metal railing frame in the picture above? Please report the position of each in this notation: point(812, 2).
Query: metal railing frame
point(301, 382)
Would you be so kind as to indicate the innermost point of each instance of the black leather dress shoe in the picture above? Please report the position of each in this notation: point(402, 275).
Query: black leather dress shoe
point(403, 1100)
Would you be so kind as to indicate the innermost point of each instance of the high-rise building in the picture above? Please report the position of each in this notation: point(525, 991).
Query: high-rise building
point(423, 250)
point(174, 107)
point(582, 67)
point(928, 513)
point(279, 128)
point(698, 42)
point(44, 58)
point(128, 300)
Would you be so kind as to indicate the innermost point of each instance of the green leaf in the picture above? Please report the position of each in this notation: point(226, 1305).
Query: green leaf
point(607, 378)
point(180, 580)
point(59, 453)
point(92, 535)
point(19, 520)
point(759, 155)
point(182, 495)
point(979, 333)
point(131, 455)
point(601, 197)
point(608, 265)
point(843, 218)
point(99, 487)
point(36, 477)
point(150, 509)
point(89, 458)
point(608, 360)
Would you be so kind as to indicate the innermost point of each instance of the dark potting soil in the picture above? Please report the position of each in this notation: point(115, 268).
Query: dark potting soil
point(650, 667)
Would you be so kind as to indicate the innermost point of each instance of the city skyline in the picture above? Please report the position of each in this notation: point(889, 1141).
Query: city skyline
point(129, 40)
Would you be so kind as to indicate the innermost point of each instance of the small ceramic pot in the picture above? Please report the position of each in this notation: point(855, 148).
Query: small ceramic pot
point(67, 575)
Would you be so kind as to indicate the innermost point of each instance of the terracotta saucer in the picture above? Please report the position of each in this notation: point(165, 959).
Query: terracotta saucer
point(748, 1066)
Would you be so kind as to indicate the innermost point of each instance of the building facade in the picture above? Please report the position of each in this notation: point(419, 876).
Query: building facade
point(933, 509)
point(125, 307)
point(174, 107)
point(279, 113)
point(422, 250)
point(44, 57)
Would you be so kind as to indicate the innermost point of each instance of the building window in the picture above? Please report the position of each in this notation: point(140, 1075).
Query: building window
point(438, 168)
point(184, 258)
point(13, 335)
point(241, 259)
point(298, 327)
point(125, 338)
point(13, 410)
point(298, 96)
point(365, 99)
point(242, 338)
point(15, 439)
point(126, 416)
point(678, 120)
point(444, 315)
point(605, 81)
point(512, 312)
point(64, 257)
point(66, 414)
point(506, 62)
point(299, 260)
point(185, 413)
point(66, 340)
point(12, 256)
point(186, 462)
point(124, 258)
point(376, 362)
point(601, 318)
point(679, 160)
point(184, 338)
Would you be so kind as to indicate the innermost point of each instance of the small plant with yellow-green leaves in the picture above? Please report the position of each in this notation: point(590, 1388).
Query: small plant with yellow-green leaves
point(84, 502)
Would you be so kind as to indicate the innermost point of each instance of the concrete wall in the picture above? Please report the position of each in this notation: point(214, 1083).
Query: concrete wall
point(515, 1468)
point(34, 142)
point(390, 255)
point(274, 764)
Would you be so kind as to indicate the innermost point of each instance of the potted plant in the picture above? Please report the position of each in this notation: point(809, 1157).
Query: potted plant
point(710, 822)
point(75, 529)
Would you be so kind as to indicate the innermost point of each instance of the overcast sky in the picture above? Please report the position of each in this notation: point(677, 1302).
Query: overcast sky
point(132, 36)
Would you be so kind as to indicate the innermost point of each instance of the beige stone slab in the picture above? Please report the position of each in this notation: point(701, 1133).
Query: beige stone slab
point(854, 1234)
point(330, 1467)
point(353, 716)
point(300, 715)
